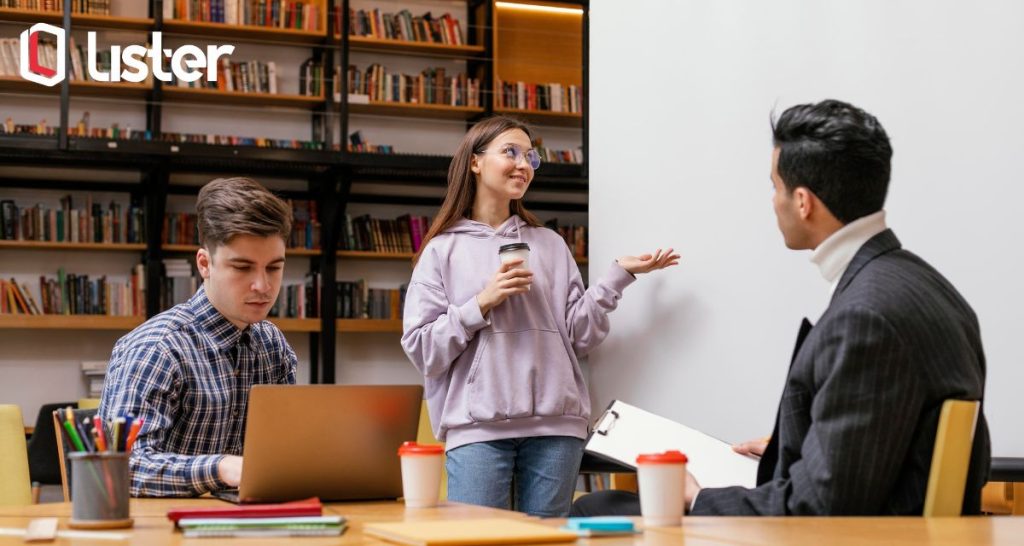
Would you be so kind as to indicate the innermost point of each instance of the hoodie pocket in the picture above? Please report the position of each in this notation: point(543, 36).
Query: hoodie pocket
point(522, 374)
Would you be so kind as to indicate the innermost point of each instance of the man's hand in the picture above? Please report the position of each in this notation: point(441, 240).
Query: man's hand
point(230, 470)
point(692, 488)
point(753, 448)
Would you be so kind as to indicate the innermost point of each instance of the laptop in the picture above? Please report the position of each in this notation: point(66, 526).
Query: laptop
point(335, 442)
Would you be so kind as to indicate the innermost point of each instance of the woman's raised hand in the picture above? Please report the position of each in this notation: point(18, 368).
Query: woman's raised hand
point(649, 262)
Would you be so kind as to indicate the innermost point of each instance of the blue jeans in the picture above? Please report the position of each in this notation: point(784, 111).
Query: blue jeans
point(544, 468)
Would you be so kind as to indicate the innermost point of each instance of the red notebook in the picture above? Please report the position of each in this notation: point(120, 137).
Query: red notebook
point(307, 507)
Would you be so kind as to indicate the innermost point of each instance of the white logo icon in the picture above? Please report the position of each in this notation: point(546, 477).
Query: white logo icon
point(32, 68)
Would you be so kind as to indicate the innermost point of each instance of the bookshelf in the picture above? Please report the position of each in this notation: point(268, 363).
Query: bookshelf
point(334, 177)
point(104, 22)
point(46, 245)
point(68, 322)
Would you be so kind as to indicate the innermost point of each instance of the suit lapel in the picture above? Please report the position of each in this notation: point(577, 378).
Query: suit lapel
point(766, 466)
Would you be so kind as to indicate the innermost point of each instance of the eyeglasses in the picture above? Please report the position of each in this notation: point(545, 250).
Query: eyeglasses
point(514, 153)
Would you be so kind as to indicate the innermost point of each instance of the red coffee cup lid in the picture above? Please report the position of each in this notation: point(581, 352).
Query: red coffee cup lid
point(412, 448)
point(669, 457)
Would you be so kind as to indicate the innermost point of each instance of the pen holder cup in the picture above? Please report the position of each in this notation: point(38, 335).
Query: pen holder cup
point(99, 490)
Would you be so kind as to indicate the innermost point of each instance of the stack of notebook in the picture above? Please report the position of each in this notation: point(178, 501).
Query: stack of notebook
point(290, 519)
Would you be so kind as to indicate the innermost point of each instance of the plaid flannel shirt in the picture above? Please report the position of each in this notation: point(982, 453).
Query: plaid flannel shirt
point(187, 373)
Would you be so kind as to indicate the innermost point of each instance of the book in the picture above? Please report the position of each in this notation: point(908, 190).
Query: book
point(253, 527)
point(459, 532)
point(306, 507)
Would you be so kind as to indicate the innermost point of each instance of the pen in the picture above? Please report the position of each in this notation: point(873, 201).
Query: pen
point(101, 440)
point(72, 435)
point(133, 433)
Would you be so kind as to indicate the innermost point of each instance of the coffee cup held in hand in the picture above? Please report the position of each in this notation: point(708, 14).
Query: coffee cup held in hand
point(515, 251)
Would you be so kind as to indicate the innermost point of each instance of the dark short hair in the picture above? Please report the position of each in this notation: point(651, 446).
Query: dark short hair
point(839, 152)
point(228, 207)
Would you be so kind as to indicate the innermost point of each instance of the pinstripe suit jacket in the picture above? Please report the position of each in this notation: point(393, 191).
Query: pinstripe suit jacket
point(856, 425)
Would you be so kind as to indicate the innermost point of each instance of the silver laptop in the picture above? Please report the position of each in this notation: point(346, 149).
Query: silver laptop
point(336, 442)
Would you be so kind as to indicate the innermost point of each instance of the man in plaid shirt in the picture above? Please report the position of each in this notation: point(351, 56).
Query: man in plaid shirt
point(187, 371)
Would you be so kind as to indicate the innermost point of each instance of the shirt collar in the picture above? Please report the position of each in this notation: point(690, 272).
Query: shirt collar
point(224, 333)
point(834, 254)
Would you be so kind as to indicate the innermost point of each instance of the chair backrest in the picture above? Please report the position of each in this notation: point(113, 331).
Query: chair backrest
point(15, 484)
point(88, 403)
point(65, 448)
point(951, 458)
point(43, 458)
point(425, 435)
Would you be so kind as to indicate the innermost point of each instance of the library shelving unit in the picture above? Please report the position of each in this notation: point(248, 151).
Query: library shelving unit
point(329, 169)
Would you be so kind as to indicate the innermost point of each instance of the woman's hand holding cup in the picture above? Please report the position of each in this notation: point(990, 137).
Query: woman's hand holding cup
point(510, 279)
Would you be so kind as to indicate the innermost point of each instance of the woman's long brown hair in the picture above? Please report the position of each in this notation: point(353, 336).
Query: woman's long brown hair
point(458, 200)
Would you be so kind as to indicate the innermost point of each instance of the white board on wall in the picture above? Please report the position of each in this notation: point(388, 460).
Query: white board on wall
point(680, 98)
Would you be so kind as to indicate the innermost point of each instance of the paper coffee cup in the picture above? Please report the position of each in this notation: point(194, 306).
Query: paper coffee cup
point(515, 251)
point(421, 474)
point(661, 478)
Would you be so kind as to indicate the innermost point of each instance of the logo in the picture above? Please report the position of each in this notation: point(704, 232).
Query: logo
point(32, 69)
point(188, 63)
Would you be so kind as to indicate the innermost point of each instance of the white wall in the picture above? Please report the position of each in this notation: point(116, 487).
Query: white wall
point(680, 146)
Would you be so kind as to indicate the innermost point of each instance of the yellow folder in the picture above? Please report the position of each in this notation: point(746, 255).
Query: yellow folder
point(475, 531)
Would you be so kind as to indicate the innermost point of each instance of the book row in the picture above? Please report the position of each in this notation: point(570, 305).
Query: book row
point(405, 26)
point(432, 86)
point(71, 294)
point(91, 224)
point(115, 132)
point(550, 97)
point(90, 7)
point(290, 14)
point(402, 234)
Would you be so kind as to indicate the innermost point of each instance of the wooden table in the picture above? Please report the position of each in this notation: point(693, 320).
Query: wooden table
point(153, 528)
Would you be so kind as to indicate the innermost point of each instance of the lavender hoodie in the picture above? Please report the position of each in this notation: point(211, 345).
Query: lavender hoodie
point(514, 374)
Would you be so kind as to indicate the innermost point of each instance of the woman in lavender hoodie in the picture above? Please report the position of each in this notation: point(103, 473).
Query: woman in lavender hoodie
point(499, 345)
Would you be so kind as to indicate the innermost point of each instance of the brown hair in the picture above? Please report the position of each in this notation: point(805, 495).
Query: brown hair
point(239, 206)
point(458, 200)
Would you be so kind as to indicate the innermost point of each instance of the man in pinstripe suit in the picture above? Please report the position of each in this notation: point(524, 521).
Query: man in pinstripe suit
point(856, 424)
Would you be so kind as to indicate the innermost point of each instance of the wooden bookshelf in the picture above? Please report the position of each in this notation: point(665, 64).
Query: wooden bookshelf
point(47, 245)
point(402, 109)
point(542, 117)
point(14, 84)
point(370, 255)
point(251, 33)
point(191, 249)
point(524, 40)
point(216, 96)
point(180, 248)
point(369, 325)
point(68, 322)
point(77, 19)
point(378, 45)
point(296, 324)
point(400, 256)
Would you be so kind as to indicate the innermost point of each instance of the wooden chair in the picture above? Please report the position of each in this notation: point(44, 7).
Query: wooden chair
point(15, 484)
point(425, 435)
point(951, 458)
point(88, 403)
point(43, 457)
point(64, 447)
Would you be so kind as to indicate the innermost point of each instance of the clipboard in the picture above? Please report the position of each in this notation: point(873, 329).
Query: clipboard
point(624, 431)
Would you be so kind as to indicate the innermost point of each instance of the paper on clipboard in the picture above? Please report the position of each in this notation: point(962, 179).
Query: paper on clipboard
point(625, 431)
